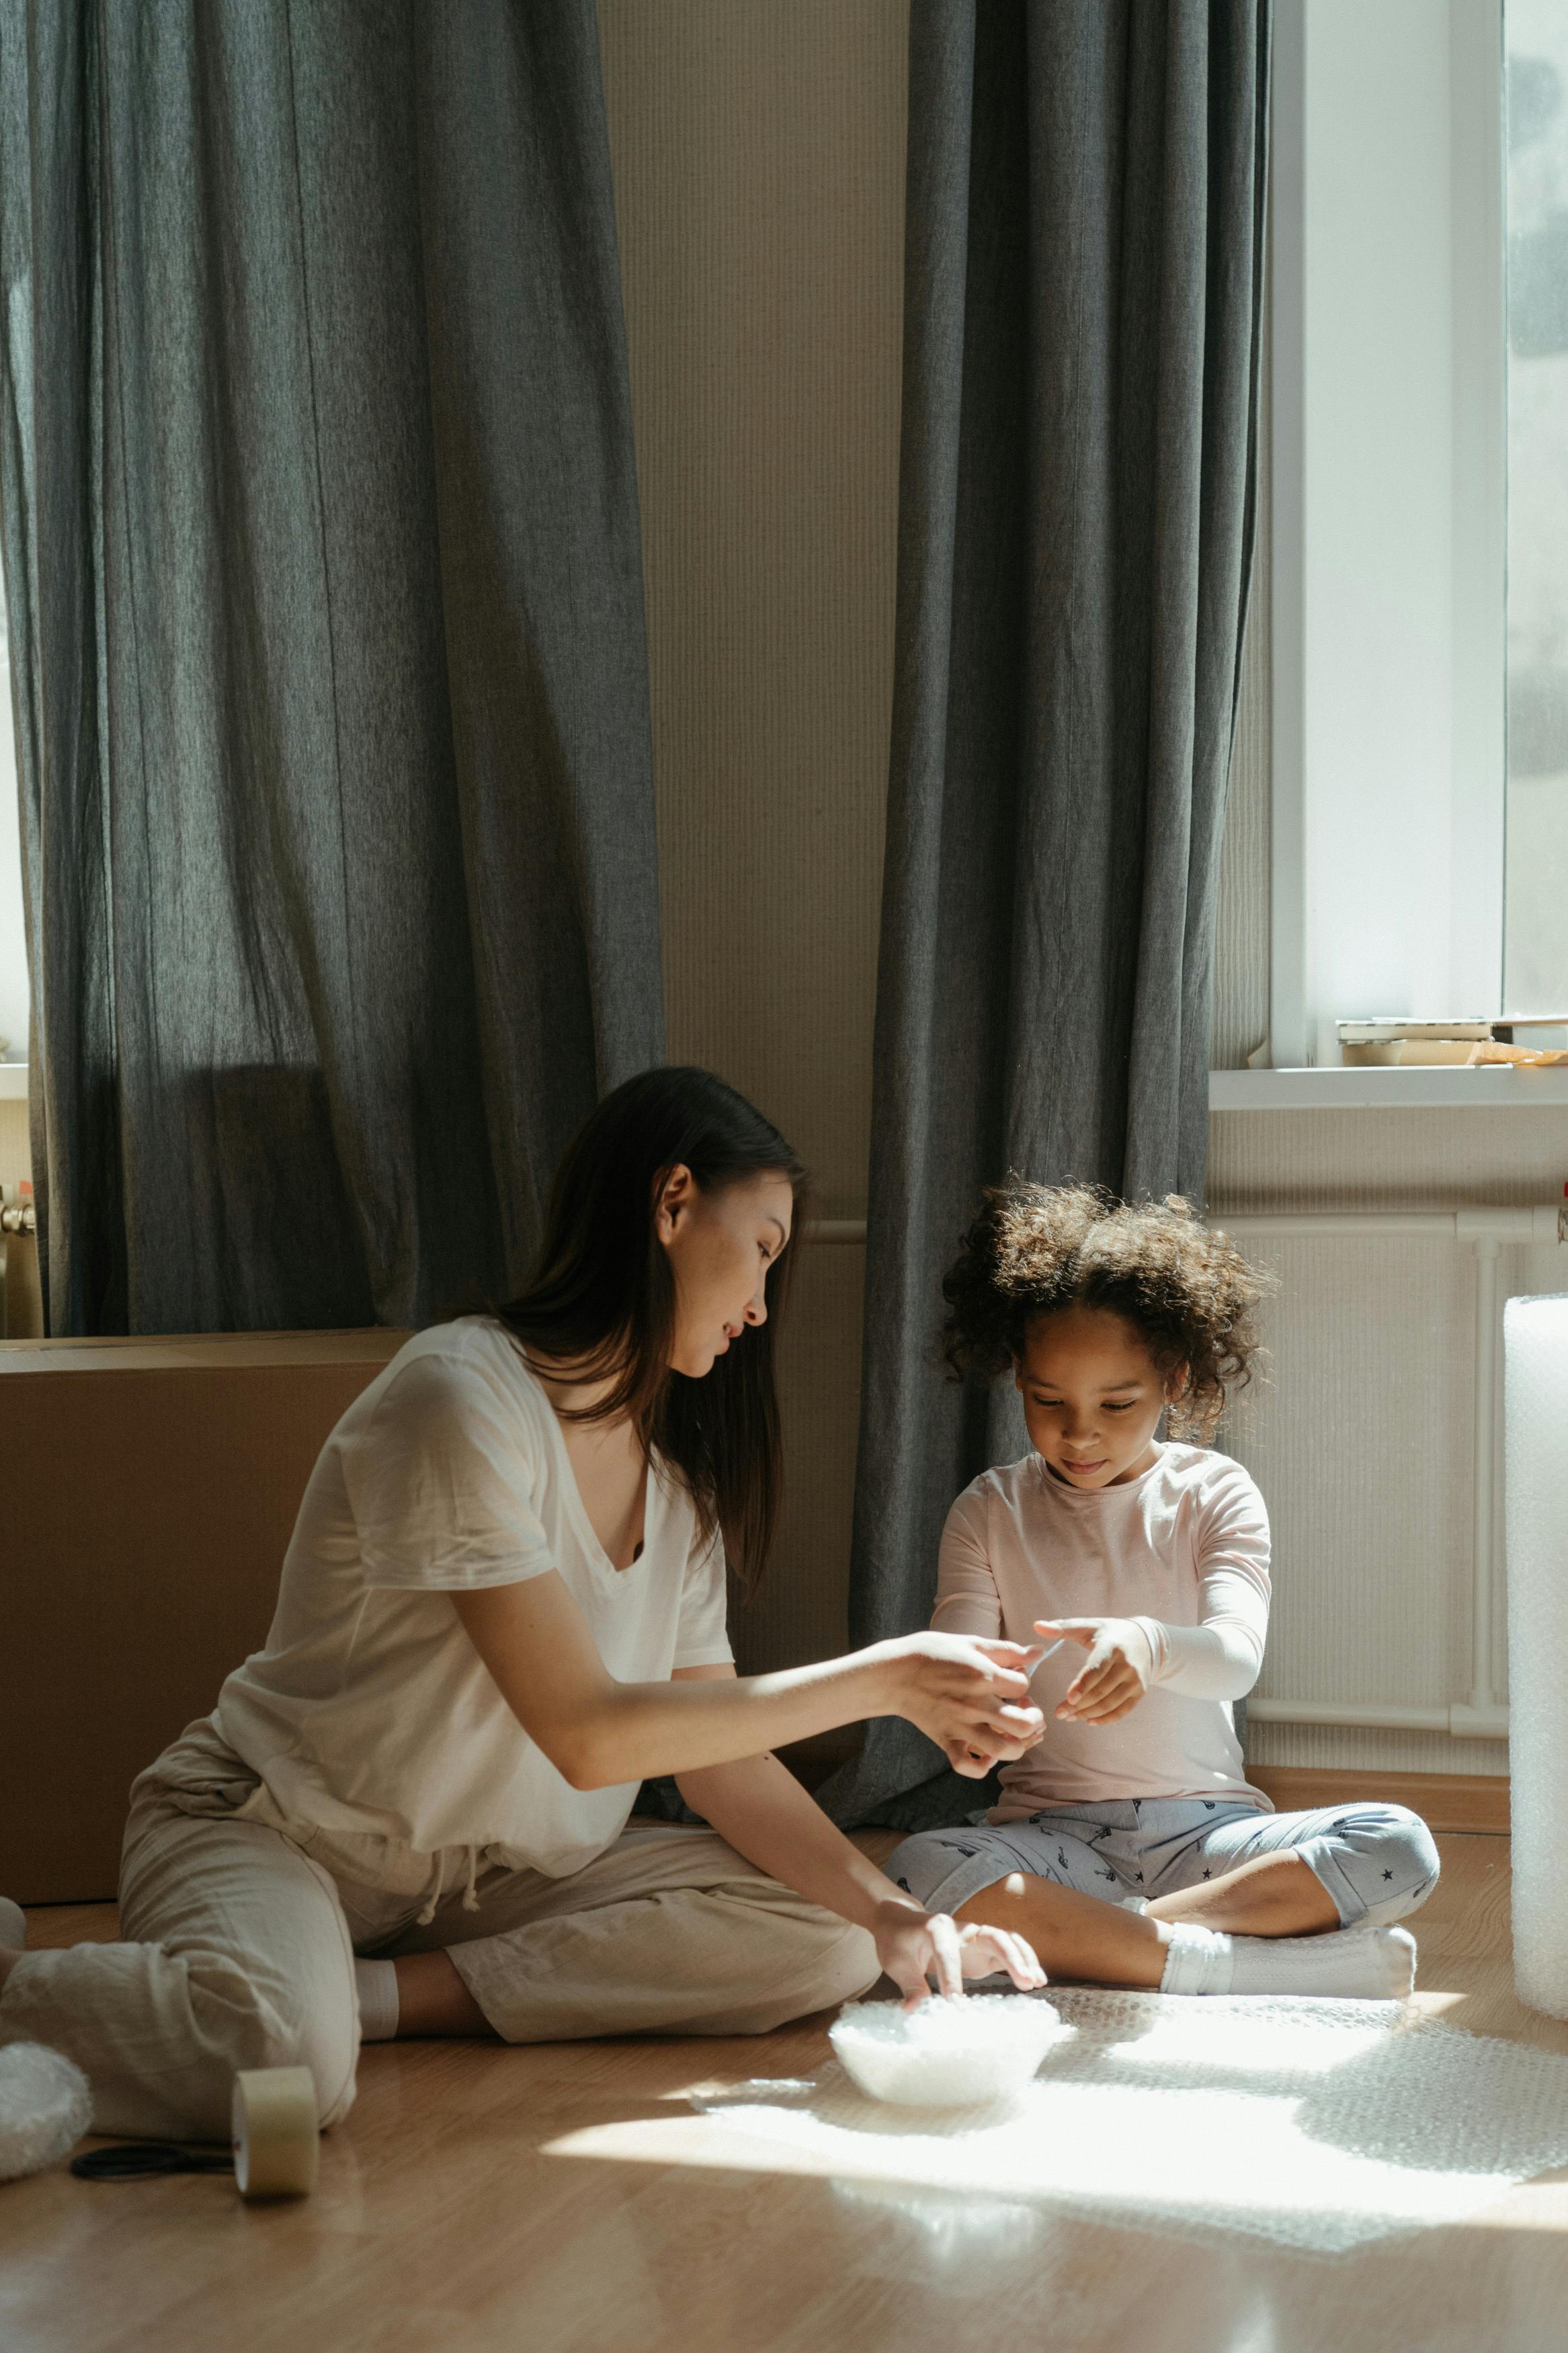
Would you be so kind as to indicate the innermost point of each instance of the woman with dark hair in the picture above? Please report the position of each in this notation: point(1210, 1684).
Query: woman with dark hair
point(503, 1607)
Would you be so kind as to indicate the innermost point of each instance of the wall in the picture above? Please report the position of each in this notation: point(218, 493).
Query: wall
point(13, 944)
point(1361, 1439)
point(758, 162)
point(759, 154)
point(20, 1307)
point(1361, 1442)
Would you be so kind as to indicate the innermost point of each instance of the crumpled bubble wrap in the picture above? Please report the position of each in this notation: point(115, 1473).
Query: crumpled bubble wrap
point(45, 2108)
point(1317, 2124)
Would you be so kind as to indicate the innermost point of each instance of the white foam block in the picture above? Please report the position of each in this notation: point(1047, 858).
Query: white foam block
point(1536, 1346)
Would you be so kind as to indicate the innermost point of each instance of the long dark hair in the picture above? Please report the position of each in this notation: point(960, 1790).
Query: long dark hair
point(602, 1294)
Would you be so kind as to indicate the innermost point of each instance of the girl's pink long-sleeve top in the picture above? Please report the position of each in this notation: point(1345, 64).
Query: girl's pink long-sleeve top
point(1182, 1552)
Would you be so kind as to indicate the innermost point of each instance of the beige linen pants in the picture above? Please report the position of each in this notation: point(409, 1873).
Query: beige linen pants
point(242, 1930)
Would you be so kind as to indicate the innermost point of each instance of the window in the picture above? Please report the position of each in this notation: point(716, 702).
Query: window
point(1536, 919)
point(1392, 646)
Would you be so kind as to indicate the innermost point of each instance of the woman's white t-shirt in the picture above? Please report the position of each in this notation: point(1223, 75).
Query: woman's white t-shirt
point(370, 1710)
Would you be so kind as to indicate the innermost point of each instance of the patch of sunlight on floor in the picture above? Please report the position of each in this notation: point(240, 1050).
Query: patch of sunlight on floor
point(1317, 2126)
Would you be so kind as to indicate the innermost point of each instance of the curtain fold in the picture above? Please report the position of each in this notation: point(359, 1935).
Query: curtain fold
point(1083, 334)
point(324, 578)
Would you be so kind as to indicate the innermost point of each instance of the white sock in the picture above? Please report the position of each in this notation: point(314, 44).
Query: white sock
point(375, 1982)
point(1197, 1960)
point(1361, 1964)
point(13, 1927)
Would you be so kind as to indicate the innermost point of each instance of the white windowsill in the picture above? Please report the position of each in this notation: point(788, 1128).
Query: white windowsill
point(1435, 1086)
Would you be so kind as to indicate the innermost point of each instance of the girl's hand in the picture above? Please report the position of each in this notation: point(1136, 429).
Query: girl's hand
point(1116, 1675)
point(914, 1947)
point(969, 1695)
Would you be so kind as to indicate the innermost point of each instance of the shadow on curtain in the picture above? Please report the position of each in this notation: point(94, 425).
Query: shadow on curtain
point(322, 562)
point(1081, 361)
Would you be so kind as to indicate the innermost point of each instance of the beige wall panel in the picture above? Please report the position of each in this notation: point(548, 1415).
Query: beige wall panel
point(15, 1157)
point(759, 164)
point(21, 1305)
point(800, 1612)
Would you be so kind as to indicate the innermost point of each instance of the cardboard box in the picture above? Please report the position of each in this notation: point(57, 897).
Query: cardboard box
point(148, 1490)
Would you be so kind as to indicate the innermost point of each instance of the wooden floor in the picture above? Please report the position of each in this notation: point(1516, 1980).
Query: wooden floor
point(480, 2198)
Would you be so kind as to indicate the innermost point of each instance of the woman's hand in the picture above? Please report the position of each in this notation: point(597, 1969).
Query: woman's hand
point(1116, 1675)
point(916, 1947)
point(969, 1695)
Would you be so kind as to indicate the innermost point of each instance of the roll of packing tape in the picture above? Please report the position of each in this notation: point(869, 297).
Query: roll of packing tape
point(275, 2137)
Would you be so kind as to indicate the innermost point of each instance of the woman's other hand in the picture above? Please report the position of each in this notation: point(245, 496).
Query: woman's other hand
point(917, 1949)
point(969, 1695)
point(1115, 1675)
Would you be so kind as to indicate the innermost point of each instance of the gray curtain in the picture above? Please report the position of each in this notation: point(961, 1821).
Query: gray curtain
point(322, 561)
point(1081, 361)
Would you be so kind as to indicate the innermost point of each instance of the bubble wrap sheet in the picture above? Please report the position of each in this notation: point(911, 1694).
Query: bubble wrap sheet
point(1320, 2126)
point(1535, 1356)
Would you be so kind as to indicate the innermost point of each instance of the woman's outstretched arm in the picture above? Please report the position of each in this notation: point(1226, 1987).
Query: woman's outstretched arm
point(966, 1694)
point(759, 1806)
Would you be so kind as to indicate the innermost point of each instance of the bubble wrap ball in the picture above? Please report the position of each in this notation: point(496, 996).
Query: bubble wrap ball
point(45, 2108)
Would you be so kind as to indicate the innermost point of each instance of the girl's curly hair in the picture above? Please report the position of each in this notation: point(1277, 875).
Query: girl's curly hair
point(1034, 1249)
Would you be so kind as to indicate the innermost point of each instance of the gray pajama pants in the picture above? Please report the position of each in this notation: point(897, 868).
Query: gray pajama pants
point(1378, 1862)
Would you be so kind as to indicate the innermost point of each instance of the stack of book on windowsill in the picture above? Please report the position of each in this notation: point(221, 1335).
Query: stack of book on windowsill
point(1382, 1043)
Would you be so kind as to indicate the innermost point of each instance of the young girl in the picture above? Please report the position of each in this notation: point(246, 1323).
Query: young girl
point(503, 1606)
point(1146, 1564)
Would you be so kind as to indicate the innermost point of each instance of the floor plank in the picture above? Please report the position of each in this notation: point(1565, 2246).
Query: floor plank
point(454, 2213)
point(1444, 1801)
